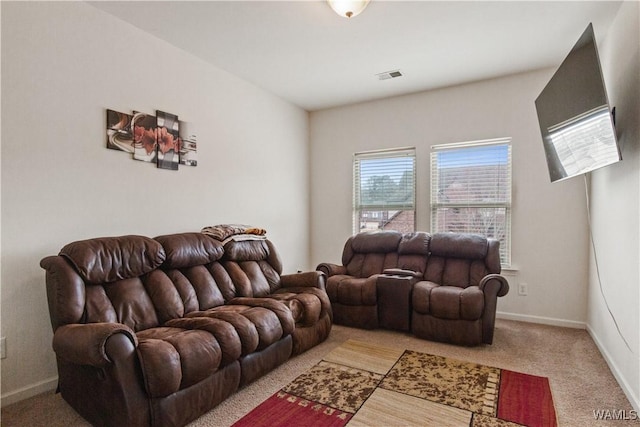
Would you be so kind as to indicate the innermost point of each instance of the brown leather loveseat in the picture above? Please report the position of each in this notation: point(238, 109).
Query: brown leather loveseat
point(155, 332)
point(441, 287)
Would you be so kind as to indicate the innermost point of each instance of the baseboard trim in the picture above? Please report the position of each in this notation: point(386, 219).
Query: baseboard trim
point(541, 320)
point(624, 385)
point(29, 391)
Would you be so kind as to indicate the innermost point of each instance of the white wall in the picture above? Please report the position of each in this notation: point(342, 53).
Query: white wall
point(63, 64)
point(549, 243)
point(615, 208)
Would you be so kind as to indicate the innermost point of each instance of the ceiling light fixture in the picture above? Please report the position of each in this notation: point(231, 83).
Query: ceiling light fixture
point(348, 8)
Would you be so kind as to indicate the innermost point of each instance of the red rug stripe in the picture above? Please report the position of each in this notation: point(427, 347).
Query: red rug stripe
point(526, 399)
point(285, 410)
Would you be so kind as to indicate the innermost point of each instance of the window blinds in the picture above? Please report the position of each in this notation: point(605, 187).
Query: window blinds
point(384, 180)
point(471, 190)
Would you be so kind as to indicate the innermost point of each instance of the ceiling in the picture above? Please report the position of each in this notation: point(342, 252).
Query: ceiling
point(305, 53)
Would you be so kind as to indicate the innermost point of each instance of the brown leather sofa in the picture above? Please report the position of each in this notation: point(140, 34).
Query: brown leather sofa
point(155, 332)
point(441, 287)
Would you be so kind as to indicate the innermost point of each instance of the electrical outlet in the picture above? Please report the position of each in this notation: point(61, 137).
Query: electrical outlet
point(523, 289)
point(3, 348)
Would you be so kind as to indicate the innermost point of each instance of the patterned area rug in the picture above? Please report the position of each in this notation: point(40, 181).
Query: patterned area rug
point(360, 384)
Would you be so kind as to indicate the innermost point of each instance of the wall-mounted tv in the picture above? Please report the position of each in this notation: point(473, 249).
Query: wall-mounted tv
point(573, 112)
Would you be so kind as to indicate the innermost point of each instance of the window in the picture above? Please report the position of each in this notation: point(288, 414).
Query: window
point(384, 190)
point(471, 190)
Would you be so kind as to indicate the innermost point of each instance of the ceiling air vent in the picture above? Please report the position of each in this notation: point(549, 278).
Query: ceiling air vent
point(389, 75)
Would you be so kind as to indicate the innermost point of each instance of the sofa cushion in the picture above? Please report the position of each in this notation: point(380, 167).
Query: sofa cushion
point(415, 263)
point(451, 302)
point(223, 331)
point(131, 304)
point(108, 259)
point(413, 251)
point(458, 272)
point(267, 324)
point(253, 267)
point(421, 296)
point(252, 278)
point(280, 310)
point(368, 264)
point(469, 246)
point(376, 241)
point(259, 322)
point(247, 250)
point(166, 299)
point(232, 314)
point(414, 244)
point(205, 287)
point(254, 250)
point(189, 249)
point(349, 290)
point(368, 242)
point(173, 359)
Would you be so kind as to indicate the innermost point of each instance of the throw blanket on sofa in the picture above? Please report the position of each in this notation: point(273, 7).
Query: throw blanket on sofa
point(226, 232)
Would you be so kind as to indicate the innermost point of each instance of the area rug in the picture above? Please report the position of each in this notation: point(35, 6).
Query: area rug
point(362, 384)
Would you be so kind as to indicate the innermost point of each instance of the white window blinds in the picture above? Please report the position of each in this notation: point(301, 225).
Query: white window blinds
point(384, 190)
point(471, 190)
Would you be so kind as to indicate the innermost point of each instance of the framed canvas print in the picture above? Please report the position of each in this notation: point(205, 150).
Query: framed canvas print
point(144, 137)
point(168, 137)
point(188, 146)
point(119, 136)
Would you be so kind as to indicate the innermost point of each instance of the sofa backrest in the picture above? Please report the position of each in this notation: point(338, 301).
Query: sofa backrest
point(194, 282)
point(461, 259)
point(372, 252)
point(134, 280)
point(212, 274)
point(254, 267)
point(451, 259)
point(369, 253)
point(104, 280)
point(143, 282)
point(413, 251)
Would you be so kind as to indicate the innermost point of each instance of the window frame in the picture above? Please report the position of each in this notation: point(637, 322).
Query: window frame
point(436, 202)
point(357, 203)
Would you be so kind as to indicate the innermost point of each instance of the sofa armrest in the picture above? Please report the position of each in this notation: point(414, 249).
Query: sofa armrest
point(310, 279)
point(494, 281)
point(493, 286)
point(401, 272)
point(331, 269)
point(86, 344)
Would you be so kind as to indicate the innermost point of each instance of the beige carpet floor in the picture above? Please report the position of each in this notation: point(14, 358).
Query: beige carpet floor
point(580, 379)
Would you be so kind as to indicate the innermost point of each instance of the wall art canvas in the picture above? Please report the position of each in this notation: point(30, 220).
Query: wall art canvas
point(188, 145)
point(161, 138)
point(119, 135)
point(144, 137)
point(168, 133)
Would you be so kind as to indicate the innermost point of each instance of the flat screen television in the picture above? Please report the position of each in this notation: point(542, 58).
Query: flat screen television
point(575, 120)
